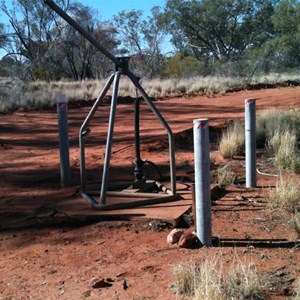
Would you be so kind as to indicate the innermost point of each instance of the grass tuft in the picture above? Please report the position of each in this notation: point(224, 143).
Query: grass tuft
point(296, 295)
point(285, 195)
point(271, 121)
point(232, 141)
point(208, 280)
point(284, 146)
point(225, 176)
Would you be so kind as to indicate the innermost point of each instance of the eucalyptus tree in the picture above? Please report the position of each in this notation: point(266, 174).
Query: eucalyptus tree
point(83, 60)
point(48, 48)
point(220, 29)
point(142, 39)
point(286, 43)
point(33, 29)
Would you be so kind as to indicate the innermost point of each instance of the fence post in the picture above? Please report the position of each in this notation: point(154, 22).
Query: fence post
point(62, 114)
point(202, 181)
point(250, 142)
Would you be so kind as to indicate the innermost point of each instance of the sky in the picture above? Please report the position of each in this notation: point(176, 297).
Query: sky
point(108, 8)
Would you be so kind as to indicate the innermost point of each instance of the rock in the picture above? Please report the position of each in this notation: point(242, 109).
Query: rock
point(174, 236)
point(125, 285)
point(189, 241)
point(97, 284)
point(87, 294)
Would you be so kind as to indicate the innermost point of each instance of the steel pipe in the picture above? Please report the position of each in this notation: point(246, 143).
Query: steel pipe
point(62, 114)
point(202, 181)
point(109, 137)
point(164, 124)
point(250, 142)
point(84, 127)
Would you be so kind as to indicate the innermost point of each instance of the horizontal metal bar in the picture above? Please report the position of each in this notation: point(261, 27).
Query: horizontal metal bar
point(125, 194)
point(122, 205)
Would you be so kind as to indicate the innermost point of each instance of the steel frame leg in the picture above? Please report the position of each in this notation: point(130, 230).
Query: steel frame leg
point(109, 138)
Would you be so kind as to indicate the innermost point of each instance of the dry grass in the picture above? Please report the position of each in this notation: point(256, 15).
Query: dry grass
point(232, 141)
point(208, 280)
point(284, 146)
point(225, 176)
point(271, 121)
point(296, 295)
point(16, 94)
point(296, 226)
point(285, 195)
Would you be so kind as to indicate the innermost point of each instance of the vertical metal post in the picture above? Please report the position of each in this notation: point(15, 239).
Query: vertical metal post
point(84, 131)
point(138, 162)
point(202, 181)
point(250, 142)
point(142, 92)
point(109, 137)
point(62, 114)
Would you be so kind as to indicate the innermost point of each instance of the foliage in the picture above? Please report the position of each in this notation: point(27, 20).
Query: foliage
point(142, 39)
point(210, 37)
point(220, 29)
point(180, 66)
point(286, 43)
point(49, 49)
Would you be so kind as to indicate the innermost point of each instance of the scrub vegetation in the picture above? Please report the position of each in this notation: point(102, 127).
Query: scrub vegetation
point(209, 279)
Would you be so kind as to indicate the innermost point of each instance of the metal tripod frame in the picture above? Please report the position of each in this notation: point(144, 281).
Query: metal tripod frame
point(121, 68)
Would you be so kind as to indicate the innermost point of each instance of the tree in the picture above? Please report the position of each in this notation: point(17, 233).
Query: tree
point(142, 39)
point(33, 30)
point(3, 36)
point(182, 66)
point(48, 48)
point(286, 42)
point(220, 29)
point(80, 58)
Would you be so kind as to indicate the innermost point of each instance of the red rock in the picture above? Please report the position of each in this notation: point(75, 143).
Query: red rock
point(189, 241)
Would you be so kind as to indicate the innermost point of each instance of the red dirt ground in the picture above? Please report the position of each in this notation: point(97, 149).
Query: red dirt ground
point(49, 259)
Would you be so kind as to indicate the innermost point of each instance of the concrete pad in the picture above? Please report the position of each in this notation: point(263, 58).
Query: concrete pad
point(70, 207)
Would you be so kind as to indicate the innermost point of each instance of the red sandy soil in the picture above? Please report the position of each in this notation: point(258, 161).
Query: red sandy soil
point(57, 260)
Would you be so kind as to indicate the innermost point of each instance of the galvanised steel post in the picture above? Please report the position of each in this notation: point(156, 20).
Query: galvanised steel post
point(250, 142)
point(109, 139)
point(62, 114)
point(202, 181)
